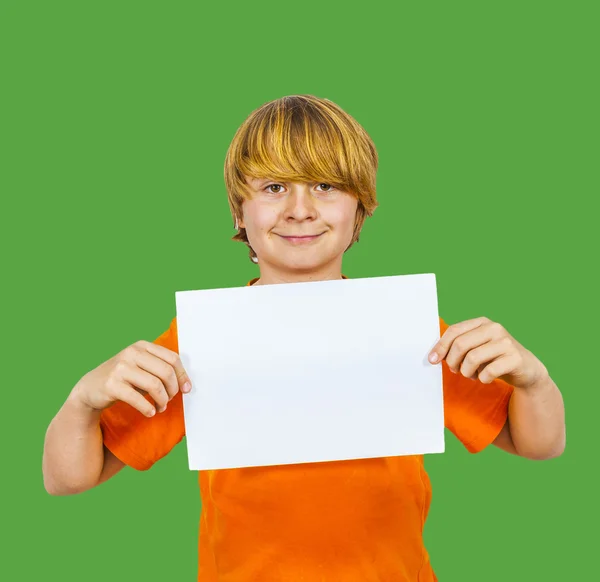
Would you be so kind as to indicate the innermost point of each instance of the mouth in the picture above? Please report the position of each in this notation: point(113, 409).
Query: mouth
point(301, 239)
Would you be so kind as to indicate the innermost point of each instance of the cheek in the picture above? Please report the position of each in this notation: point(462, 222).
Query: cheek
point(343, 216)
point(259, 220)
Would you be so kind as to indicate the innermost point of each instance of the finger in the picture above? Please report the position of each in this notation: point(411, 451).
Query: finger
point(172, 358)
point(477, 358)
point(159, 368)
point(499, 367)
point(142, 380)
point(127, 393)
point(475, 376)
point(441, 348)
point(466, 342)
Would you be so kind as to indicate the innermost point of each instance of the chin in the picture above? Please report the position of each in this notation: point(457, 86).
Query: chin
point(304, 262)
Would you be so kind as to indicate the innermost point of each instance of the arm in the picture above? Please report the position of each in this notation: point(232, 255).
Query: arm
point(142, 379)
point(480, 349)
point(535, 428)
point(75, 458)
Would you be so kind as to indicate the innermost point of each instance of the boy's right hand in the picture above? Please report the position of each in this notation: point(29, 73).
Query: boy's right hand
point(141, 368)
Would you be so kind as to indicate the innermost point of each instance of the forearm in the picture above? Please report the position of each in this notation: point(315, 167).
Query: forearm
point(537, 420)
point(73, 450)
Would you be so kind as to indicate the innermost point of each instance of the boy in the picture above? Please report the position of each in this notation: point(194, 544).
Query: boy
point(300, 175)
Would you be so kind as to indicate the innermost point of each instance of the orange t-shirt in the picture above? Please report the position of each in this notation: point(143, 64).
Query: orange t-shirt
point(359, 520)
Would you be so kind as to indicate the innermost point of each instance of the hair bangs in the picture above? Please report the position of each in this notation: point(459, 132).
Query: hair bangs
point(297, 144)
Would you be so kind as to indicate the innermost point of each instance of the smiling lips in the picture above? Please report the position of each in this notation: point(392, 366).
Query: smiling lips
point(301, 239)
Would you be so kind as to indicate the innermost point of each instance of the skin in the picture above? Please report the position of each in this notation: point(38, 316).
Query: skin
point(484, 350)
point(478, 349)
point(278, 209)
point(75, 458)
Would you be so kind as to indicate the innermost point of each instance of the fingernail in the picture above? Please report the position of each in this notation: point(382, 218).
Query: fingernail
point(186, 387)
point(433, 357)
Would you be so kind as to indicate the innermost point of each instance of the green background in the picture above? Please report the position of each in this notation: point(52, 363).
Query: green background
point(115, 120)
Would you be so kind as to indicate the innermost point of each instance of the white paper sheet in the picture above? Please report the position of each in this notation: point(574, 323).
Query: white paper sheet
point(311, 372)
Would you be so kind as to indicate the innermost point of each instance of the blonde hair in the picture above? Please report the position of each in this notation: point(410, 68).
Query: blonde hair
point(302, 138)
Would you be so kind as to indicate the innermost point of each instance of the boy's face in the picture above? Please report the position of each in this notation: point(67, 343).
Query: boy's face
point(297, 227)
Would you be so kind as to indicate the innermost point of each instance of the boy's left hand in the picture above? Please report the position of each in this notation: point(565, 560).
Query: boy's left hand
point(483, 350)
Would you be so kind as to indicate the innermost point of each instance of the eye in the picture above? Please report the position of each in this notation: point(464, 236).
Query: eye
point(326, 187)
point(277, 188)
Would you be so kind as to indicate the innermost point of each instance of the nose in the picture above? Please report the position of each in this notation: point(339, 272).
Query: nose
point(300, 204)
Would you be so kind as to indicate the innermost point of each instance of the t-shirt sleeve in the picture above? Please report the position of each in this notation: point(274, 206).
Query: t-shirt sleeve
point(473, 411)
point(140, 441)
